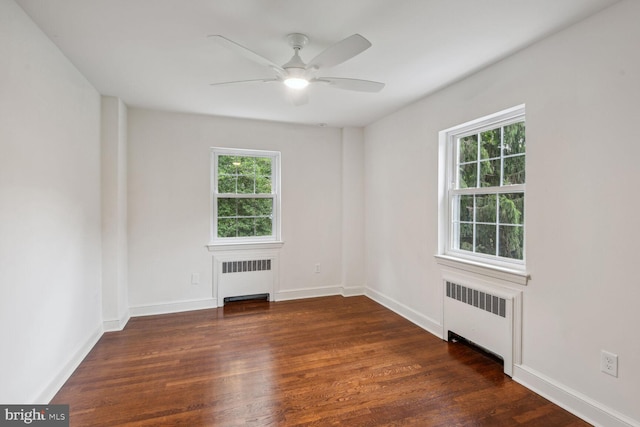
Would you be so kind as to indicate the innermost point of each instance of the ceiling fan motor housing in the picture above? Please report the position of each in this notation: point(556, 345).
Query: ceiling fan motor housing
point(296, 67)
point(297, 40)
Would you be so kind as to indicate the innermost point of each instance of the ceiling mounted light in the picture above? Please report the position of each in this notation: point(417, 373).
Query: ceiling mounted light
point(296, 82)
point(297, 75)
point(295, 69)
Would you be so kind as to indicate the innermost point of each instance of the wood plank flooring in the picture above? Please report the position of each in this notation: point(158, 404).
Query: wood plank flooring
point(330, 361)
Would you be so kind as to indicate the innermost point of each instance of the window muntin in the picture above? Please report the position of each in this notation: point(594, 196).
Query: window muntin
point(245, 195)
point(486, 170)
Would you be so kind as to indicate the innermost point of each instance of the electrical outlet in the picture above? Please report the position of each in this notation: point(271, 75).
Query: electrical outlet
point(609, 363)
point(195, 279)
point(317, 268)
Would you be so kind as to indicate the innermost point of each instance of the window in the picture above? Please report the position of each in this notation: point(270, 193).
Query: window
point(485, 194)
point(245, 196)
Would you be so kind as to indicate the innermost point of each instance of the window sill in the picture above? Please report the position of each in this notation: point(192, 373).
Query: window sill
point(215, 247)
point(511, 275)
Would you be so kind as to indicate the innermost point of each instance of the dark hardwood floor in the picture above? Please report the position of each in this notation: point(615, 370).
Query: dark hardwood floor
point(315, 362)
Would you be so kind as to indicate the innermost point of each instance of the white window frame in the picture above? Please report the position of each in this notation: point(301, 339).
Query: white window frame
point(275, 237)
point(447, 252)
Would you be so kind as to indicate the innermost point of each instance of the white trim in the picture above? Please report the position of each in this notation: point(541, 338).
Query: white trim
point(514, 114)
point(249, 246)
point(172, 307)
point(116, 324)
point(45, 396)
point(408, 313)
point(505, 189)
point(325, 291)
point(293, 294)
point(501, 273)
point(577, 403)
point(352, 291)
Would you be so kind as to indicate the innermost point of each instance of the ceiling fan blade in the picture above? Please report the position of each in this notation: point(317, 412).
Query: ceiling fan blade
point(351, 84)
point(247, 53)
point(245, 81)
point(298, 97)
point(340, 52)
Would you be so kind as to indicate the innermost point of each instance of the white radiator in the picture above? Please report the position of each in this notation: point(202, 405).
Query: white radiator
point(244, 275)
point(485, 314)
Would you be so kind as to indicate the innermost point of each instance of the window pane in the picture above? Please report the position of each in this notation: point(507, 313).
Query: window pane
point(263, 226)
point(486, 239)
point(511, 241)
point(465, 237)
point(245, 227)
point(486, 208)
point(226, 165)
point(263, 185)
point(227, 227)
point(490, 144)
point(465, 208)
point(246, 207)
point(513, 170)
point(468, 175)
point(245, 165)
point(468, 147)
point(514, 140)
point(244, 175)
point(250, 227)
point(263, 166)
point(490, 173)
point(226, 184)
point(227, 207)
point(245, 217)
point(512, 208)
point(263, 207)
point(245, 184)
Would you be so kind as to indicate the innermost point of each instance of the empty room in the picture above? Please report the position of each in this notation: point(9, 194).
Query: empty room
point(313, 213)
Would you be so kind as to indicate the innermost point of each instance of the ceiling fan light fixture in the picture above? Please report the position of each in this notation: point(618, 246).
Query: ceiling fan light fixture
point(297, 75)
point(296, 82)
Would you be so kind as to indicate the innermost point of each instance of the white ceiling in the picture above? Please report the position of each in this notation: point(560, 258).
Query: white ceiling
point(156, 54)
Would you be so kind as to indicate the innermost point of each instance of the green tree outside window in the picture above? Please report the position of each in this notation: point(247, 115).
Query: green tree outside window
point(491, 223)
point(244, 202)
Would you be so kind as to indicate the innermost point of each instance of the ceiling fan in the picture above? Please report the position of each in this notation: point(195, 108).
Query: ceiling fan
point(297, 75)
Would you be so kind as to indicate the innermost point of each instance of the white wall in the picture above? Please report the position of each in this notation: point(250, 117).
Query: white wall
point(169, 197)
point(353, 272)
point(113, 159)
point(581, 89)
point(50, 300)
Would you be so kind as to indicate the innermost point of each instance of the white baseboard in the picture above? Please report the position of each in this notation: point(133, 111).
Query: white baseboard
point(352, 291)
point(308, 293)
point(325, 291)
point(176, 307)
point(172, 307)
point(63, 375)
point(116, 324)
point(410, 314)
point(582, 406)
